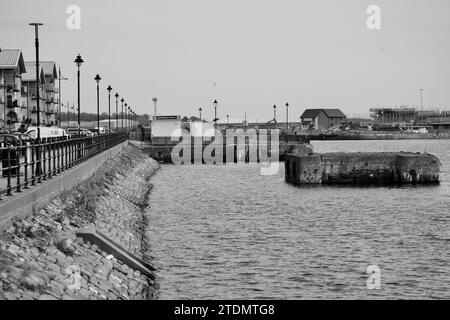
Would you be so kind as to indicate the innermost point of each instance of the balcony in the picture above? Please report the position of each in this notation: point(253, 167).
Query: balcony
point(13, 104)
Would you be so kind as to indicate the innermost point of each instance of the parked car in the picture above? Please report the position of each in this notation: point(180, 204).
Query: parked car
point(103, 130)
point(46, 132)
point(83, 132)
point(9, 140)
point(9, 156)
point(23, 136)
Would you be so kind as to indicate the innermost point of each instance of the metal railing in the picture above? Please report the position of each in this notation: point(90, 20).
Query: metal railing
point(26, 164)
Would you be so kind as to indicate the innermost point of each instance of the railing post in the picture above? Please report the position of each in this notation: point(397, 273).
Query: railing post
point(8, 180)
point(26, 147)
point(49, 156)
point(43, 149)
point(18, 169)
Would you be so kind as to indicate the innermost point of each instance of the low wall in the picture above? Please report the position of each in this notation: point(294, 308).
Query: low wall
point(46, 257)
point(31, 200)
point(362, 168)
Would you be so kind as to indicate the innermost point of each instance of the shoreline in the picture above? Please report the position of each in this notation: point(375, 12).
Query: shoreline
point(42, 258)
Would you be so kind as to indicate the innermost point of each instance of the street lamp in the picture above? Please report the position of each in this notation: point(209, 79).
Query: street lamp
point(36, 26)
point(215, 103)
point(200, 113)
point(287, 116)
point(421, 99)
point(128, 117)
point(109, 107)
point(38, 170)
point(126, 108)
point(274, 113)
point(121, 115)
point(117, 111)
point(97, 78)
point(79, 61)
point(228, 118)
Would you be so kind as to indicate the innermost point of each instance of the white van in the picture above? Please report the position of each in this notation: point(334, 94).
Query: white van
point(47, 132)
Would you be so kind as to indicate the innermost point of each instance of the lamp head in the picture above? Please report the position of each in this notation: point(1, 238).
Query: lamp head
point(97, 78)
point(79, 61)
point(109, 89)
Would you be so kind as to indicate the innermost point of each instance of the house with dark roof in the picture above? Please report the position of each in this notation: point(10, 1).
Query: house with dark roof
point(12, 66)
point(322, 118)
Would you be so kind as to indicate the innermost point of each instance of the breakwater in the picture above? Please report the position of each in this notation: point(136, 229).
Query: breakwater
point(42, 258)
point(233, 147)
point(362, 168)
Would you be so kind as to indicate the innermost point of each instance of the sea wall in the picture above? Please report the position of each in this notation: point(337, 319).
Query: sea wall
point(41, 257)
point(362, 168)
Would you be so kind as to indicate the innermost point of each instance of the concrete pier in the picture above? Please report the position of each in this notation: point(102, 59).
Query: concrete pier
point(362, 168)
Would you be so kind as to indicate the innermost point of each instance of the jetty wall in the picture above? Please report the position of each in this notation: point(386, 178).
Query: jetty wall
point(41, 256)
point(362, 168)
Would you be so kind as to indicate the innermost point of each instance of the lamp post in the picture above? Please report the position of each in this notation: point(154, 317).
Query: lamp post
point(79, 61)
point(200, 113)
point(128, 117)
point(421, 99)
point(117, 111)
point(36, 26)
point(228, 118)
point(97, 79)
point(121, 115)
point(38, 170)
point(215, 103)
point(274, 114)
point(126, 108)
point(287, 116)
point(109, 107)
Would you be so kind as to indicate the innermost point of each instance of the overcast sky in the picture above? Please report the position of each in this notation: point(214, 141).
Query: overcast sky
point(249, 55)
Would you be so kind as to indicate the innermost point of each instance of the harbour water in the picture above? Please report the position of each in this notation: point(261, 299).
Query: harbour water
point(227, 232)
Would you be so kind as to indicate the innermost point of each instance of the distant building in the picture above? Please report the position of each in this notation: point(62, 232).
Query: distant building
point(164, 128)
point(50, 92)
point(322, 118)
point(47, 92)
point(29, 93)
point(12, 66)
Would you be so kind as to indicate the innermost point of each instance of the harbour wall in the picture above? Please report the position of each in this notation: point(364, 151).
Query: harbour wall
point(362, 168)
point(41, 256)
point(29, 201)
point(229, 152)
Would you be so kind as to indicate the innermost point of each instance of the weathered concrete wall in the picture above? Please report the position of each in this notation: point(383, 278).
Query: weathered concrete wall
point(362, 168)
point(30, 201)
point(41, 257)
point(163, 153)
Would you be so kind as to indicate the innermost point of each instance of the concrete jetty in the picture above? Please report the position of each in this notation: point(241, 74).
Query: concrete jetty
point(362, 168)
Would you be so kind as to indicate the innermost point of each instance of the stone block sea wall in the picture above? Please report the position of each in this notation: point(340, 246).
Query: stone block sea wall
point(41, 257)
point(362, 168)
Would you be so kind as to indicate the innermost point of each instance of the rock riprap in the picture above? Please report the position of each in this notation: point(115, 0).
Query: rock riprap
point(41, 257)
